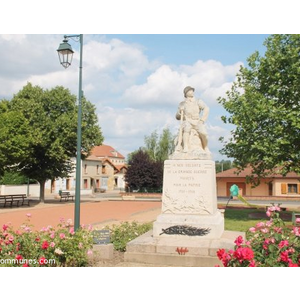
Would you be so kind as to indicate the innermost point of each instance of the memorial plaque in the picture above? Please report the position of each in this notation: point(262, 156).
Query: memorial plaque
point(189, 187)
point(101, 237)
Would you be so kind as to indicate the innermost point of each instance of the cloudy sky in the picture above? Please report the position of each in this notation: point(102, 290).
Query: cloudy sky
point(135, 81)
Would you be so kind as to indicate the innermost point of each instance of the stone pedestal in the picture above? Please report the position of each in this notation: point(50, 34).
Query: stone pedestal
point(164, 251)
point(189, 201)
point(190, 229)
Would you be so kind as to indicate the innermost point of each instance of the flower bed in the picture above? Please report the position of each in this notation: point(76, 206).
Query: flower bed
point(268, 244)
point(48, 247)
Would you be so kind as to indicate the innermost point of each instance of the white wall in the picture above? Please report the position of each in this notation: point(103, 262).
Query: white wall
point(34, 189)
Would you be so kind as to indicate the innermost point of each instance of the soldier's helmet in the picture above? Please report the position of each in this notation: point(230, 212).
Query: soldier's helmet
point(186, 89)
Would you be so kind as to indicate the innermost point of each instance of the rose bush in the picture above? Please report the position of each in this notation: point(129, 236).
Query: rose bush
point(268, 244)
point(48, 247)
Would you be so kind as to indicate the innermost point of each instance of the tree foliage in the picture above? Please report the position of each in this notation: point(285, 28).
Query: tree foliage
point(223, 165)
point(145, 170)
point(159, 147)
point(143, 173)
point(15, 178)
point(49, 141)
point(14, 136)
point(264, 106)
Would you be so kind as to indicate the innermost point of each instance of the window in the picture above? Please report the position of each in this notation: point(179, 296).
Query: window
point(85, 183)
point(292, 188)
point(97, 169)
point(85, 169)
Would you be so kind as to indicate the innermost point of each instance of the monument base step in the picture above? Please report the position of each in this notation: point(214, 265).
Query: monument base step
point(180, 251)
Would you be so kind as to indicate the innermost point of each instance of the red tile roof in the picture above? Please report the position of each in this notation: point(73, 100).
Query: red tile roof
point(120, 167)
point(106, 151)
point(247, 172)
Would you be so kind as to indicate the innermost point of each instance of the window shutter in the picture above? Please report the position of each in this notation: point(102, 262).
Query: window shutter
point(298, 188)
point(283, 188)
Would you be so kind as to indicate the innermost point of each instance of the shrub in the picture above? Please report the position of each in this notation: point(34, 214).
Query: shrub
point(48, 247)
point(268, 244)
point(125, 232)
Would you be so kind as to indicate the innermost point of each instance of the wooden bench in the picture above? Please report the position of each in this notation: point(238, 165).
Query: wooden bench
point(66, 196)
point(19, 199)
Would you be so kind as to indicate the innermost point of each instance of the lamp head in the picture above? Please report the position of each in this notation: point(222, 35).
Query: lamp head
point(65, 53)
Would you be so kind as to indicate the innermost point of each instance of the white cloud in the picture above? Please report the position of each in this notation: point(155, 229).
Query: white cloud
point(110, 66)
point(115, 54)
point(114, 65)
point(127, 127)
point(130, 122)
point(214, 133)
point(117, 75)
point(164, 86)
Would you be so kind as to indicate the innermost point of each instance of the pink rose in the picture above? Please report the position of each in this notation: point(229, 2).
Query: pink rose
point(296, 231)
point(42, 260)
point(239, 240)
point(252, 229)
point(252, 263)
point(292, 265)
point(243, 254)
point(260, 224)
point(19, 257)
point(45, 245)
point(283, 244)
point(284, 256)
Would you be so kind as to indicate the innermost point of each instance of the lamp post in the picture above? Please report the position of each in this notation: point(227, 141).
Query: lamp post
point(65, 54)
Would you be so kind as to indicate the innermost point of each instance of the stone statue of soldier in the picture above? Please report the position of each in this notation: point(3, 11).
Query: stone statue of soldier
point(192, 114)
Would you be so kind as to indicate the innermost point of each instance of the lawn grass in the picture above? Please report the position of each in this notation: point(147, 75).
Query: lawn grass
point(239, 219)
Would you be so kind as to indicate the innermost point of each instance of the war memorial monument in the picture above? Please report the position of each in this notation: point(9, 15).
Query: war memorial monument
point(190, 228)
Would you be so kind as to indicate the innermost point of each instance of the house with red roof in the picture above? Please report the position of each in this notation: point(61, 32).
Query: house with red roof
point(273, 186)
point(103, 169)
point(112, 172)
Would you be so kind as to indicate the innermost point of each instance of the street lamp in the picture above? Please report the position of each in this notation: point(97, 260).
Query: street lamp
point(65, 54)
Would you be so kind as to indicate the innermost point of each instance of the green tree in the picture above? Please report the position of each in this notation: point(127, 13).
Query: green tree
point(151, 144)
point(165, 145)
point(159, 147)
point(145, 170)
point(52, 118)
point(14, 178)
point(263, 105)
point(223, 165)
point(15, 136)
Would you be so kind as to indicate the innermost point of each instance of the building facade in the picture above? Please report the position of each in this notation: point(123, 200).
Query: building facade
point(103, 170)
point(273, 186)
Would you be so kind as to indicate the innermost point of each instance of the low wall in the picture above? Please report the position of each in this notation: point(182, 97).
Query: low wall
point(33, 189)
point(270, 198)
point(141, 195)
